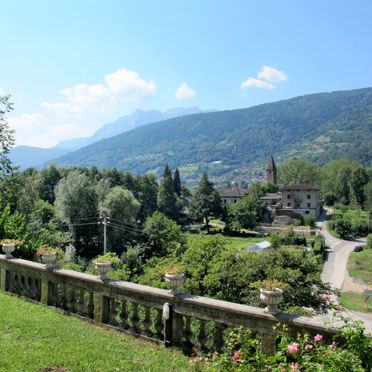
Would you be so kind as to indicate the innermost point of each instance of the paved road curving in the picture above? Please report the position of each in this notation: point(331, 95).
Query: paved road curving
point(335, 266)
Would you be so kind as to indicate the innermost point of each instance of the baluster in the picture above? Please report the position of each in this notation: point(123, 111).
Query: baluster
point(124, 315)
point(11, 287)
point(27, 287)
point(65, 305)
point(218, 337)
point(52, 294)
point(135, 318)
point(16, 283)
point(187, 344)
point(90, 307)
point(35, 294)
point(113, 313)
point(73, 300)
point(202, 336)
point(22, 289)
point(82, 310)
point(159, 325)
point(147, 322)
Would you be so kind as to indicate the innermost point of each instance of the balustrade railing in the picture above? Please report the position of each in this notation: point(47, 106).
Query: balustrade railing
point(193, 322)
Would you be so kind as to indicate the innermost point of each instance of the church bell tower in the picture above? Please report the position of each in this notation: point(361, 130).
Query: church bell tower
point(271, 175)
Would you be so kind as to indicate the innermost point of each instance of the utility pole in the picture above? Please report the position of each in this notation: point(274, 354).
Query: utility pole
point(104, 234)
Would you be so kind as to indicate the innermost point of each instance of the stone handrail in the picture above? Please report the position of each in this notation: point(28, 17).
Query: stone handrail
point(194, 321)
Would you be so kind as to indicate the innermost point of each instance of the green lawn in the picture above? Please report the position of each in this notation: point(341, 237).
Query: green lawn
point(34, 337)
point(360, 265)
point(355, 301)
point(238, 242)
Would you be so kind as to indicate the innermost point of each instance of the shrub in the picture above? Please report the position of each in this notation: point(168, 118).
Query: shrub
point(369, 241)
point(302, 353)
point(310, 221)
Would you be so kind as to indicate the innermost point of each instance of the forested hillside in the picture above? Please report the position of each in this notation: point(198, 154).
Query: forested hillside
point(318, 127)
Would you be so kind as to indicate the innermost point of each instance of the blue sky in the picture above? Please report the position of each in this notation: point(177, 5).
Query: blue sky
point(72, 66)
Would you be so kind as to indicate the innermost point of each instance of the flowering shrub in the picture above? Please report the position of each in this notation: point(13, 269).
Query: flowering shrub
point(351, 351)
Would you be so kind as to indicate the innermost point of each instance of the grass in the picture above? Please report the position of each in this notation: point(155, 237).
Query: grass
point(238, 242)
point(355, 301)
point(360, 266)
point(34, 337)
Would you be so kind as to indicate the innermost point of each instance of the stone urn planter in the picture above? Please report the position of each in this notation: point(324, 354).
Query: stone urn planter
point(271, 298)
point(9, 246)
point(104, 263)
point(9, 249)
point(174, 278)
point(103, 268)
point(49, 259)
point(48, 255)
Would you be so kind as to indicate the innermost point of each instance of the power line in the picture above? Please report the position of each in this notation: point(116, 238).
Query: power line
point(126, 229)
point(85, 224)
point(131, 225)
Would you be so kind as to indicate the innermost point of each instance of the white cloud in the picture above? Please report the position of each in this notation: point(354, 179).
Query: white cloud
point(267, 78)
point(256, 83)
point(122, 85)
point(272, 74)
point(36, 129)
point(185, 92)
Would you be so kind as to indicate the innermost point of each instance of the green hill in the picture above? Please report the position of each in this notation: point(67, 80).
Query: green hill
point(319, 127)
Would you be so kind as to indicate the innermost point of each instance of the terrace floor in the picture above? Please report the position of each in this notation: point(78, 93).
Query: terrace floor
point(36, 338)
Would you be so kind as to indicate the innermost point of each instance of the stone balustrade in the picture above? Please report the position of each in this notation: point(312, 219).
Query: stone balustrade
point(194, 321)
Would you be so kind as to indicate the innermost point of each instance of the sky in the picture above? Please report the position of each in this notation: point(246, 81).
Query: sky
point(72, 66)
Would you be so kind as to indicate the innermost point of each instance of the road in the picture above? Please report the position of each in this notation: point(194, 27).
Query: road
point(335, 267)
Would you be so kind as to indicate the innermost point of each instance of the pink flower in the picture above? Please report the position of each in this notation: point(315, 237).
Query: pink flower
point(295, 367)
point(293, 348)
point(333, 345)
point(309, 347)
point(237, 355)
point(318, 338)
point(341, 308)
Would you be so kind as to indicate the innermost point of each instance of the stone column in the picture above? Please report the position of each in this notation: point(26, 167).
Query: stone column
point(268, 345)
point(44, 289)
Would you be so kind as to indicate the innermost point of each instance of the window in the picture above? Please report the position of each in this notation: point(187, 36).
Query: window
point(224, 201)
point(288, 204)
point(309, 205)
point(234, 200)
point(308, 196)
point(307, 212)
point(288, 196)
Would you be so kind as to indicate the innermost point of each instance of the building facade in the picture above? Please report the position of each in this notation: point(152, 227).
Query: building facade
point(232, 196)
point(302, 199)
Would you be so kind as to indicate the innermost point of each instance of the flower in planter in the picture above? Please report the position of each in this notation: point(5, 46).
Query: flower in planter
point(174, 270)
point(46, 249)
point(269, 285)
point(15, 242)
point(109, 257)
point(318, 338)
point(309, 347)
point(9, 246)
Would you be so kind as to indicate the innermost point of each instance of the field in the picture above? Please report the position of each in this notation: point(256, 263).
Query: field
point(238, 242)
point(355, 302)
point(35, 338)
point(360, 266)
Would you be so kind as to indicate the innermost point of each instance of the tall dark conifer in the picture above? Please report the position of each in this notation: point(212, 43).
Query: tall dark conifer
point(177, 182)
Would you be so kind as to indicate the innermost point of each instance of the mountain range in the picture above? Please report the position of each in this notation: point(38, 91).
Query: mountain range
point(235, 144)
point(29, 156)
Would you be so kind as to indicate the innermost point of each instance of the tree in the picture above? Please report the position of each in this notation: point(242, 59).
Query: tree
point(76, 205)
point(359, 178)
point(147, 196)
point(177, 182)
point(167, 199)
point(50, 177)
point(206, 201)
point(164, 236)
point(76, 198)
point(298, 171)
point(6, 135)
point(120, 204)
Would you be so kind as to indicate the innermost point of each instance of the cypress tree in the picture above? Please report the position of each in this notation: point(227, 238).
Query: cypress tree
point(177, 182)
